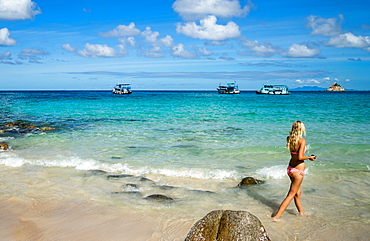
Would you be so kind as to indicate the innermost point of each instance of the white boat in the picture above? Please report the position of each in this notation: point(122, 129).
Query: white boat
point(122, 89)
point(274, 90)
point(230, 88)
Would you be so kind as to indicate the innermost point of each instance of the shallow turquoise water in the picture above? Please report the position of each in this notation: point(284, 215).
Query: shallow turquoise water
point(201, 137)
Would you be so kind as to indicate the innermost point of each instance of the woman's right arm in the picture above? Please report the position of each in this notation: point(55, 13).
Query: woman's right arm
point(301, 150)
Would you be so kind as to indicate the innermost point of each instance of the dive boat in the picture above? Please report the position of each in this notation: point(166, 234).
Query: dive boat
point(230, 88)
point(274, 90)
point(122, 89)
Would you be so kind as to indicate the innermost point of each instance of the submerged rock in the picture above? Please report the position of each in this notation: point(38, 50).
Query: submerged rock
point(228, 225)
point(47, 128)
point(4, 145)
point(119, 176)
point(22, 127)
point(97, 172)
point(249, 181)
point(158, 197)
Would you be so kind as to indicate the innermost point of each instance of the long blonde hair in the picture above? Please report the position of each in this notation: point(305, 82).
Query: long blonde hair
point(298, 129)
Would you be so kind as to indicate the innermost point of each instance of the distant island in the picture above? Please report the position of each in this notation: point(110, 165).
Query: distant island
point(335, 87)
point(308, 88)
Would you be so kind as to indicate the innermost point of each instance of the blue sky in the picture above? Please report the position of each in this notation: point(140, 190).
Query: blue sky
point(183, 44)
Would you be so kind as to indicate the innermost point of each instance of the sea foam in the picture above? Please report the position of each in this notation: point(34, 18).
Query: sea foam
point(91, 164)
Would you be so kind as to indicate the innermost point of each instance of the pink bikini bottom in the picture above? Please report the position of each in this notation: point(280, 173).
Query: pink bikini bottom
point(290, 170)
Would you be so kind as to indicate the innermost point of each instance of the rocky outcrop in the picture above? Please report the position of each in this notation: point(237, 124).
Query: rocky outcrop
point(335, 87)
point(228, 225)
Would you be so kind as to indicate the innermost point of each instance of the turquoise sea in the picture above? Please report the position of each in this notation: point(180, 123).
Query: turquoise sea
point(194, 147)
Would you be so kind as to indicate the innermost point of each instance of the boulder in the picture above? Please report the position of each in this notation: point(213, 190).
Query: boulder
point(249, 181)
point(158, 197)
point(335, 87)
point(222, 225)
point(4, 145)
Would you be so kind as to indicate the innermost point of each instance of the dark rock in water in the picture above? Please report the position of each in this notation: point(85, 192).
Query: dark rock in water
point(201, 191)
point(97, 172)
point(222, 225)
point(116, 157)
point(144, 179)
point(158, 197)
point(47, 128)
point(118, 176)
point(19, 128)
point(249, 181)
point(165, 187)
point(135, 193)
point(4, 145)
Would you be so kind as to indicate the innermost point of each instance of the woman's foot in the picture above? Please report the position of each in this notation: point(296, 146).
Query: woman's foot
point(305, 214)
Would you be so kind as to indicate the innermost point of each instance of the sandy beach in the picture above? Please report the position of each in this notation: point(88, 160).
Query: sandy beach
point(55, 213)
point(40, 219)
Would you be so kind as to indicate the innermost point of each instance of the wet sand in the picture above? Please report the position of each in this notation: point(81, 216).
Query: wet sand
point(40, 219)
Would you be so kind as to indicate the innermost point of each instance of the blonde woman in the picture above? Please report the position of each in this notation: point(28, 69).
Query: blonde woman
point(297, 146)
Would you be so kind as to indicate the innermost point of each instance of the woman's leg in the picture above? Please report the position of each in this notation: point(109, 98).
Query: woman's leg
point(297, 201)
point(295, 187)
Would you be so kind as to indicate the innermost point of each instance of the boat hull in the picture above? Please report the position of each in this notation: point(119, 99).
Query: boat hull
point(273, 90)
point(220, 91)
point(272, 93)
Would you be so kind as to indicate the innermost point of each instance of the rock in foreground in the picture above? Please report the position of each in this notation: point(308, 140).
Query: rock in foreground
point(4, 145)
point(228, 225)
point(247, 181)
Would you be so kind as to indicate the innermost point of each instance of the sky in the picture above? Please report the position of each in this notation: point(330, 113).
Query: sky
point(183, 44)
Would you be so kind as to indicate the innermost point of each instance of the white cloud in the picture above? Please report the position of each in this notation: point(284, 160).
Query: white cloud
point(97, 50)
point(309, 81)
point(122, 30)
point(5, 55)
point(122, 49)
point(180, 51)
point(131, 41)
point(349, 40)
point(29, 53)
point(69, 48)
point(205, 52)
point(324, 26)
point(4, 38)
point(154, 52)
point(149, 35)
point(167, 41)
point(264, 50)
point(319, 81)
point(33, 55)
point(208, 29)
point(18, 9)
point(198, 9)
point(155, 44)
point(300, 51)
